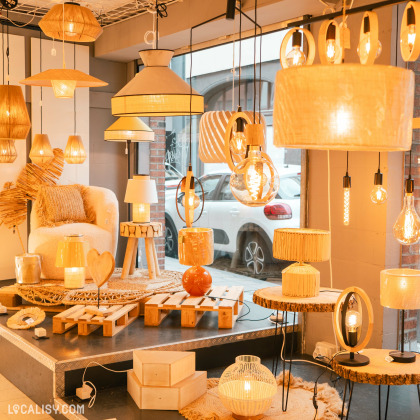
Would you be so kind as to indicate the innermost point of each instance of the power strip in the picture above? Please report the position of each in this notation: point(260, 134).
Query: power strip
point(84, 392)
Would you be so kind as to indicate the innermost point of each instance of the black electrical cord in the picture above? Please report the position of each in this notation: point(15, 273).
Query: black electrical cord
point(40, 68)
point(240, 51)
point(2, 46)
point(255, 59)
point(8, 51)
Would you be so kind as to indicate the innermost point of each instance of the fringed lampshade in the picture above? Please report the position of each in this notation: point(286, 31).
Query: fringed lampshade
point(14, 118)
point(311, 245)
point(7, 151)
point(74, 152)
point(41, 150)
point(63, 81)
point(79, 23)
point(195, 246)
point(156, 90)
point(344, 107)
point(129, 128)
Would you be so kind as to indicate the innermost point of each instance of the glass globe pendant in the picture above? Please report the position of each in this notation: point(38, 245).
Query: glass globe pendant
point(296, 56)
point(378, 194)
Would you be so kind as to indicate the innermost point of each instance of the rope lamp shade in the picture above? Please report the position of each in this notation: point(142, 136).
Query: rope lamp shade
point(311, 245)
point(213, 126)
point(41, 150)
point(14, 118)
point(156, 90)
point(74, 152)
point(79, 23)
point(195, 246)
point(63, 81)
point(345, 107)
point(8, 152)
point(129, 128)
point(400, 288)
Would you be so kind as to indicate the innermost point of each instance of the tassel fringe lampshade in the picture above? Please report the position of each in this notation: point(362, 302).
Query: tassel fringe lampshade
point(74, 152)
point(311, 245)
point(129, 129)
point(156, 90)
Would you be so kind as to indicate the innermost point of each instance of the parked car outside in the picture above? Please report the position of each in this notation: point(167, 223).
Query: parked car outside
point(242, 231)
point(172, 177)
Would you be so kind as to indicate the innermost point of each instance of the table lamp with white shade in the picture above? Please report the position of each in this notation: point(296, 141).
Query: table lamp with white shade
point(141, 191)
point(400, 289)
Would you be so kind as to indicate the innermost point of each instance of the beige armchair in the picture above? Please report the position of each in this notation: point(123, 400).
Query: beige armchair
point(103, 235)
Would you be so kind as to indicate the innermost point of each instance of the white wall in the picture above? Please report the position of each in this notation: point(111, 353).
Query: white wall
point(9, 242)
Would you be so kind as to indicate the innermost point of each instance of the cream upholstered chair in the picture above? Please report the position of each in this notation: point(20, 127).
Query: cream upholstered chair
point(103, 235)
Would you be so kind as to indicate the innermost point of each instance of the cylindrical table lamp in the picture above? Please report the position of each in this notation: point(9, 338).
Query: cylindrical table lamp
point(310, 245)
point(141, 191)
point(196, 248)
point(400, 289)
point(71, 254)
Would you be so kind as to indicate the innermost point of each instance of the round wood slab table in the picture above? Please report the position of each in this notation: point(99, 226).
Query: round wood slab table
point(378, 372)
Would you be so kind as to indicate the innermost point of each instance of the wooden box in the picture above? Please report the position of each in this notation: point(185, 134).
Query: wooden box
point(163, 368)
point(9, 297)
point(167, 398)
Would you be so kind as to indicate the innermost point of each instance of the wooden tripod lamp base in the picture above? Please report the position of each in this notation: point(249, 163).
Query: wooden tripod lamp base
point(300, 280)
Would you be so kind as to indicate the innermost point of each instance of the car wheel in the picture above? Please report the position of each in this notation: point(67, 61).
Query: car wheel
point(171, 240)
point(255, 253)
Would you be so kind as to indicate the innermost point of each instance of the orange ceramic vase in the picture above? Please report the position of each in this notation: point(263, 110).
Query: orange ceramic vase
point(196, 281)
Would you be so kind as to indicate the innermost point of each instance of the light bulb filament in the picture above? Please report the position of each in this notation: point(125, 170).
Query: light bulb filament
point(346, 219)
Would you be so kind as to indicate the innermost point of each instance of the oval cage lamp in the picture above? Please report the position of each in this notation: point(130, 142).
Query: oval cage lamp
point(348, 326)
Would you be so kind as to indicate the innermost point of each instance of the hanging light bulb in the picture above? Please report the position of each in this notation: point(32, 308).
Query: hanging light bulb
point(407, 226)
point(363, 49)
point(408, 36)
point(353, 322)
point(346, 187)
point(332, 49)
point(193, 200)
point(296, 56)
point(7, 151)
point(237, 142)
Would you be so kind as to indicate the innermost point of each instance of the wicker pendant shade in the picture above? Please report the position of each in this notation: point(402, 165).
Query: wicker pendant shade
point(344, 107)
point(41, 150)
point(7, 151)
point(129, 128)
point(14, 118)
point(79, 23)
point(75, 151)
point(156, 90)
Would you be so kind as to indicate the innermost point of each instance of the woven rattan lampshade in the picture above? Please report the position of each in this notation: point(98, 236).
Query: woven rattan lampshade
point(8, 152)
point(14, 118)
point(74, 152)
point(41, 150)
point(195, 246)
point(79, 23)
point(129, 128)
point(311, 245)
point(345, 107)
point(156, 90)
point(400, 288)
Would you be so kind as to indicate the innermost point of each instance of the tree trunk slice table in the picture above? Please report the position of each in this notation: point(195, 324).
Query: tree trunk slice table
point(273, 298)
point(134, 231)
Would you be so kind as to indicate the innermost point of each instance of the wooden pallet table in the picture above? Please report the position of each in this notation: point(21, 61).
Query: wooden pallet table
point(113, 319)
point(226, 301)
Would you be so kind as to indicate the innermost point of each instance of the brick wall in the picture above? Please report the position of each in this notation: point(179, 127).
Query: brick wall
point(410, 253)
point(157, 172)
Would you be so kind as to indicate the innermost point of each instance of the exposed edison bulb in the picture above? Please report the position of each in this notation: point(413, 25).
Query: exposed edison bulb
point(407, 226)
point(353, 320)
point(193, 200)
point(346, 217)
point(363, 49)
point(237, 143)
point(295, 57)
point(333, 50)
point(411, 36)
point(378, 195)
point(70, 29)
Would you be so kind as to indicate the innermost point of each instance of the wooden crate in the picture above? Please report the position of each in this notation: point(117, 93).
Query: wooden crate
point(117, 318)
point(227, 302)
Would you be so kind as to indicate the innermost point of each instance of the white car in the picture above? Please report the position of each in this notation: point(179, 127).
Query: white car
point(246, 232)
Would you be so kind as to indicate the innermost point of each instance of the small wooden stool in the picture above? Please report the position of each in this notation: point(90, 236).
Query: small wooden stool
point(134, 231)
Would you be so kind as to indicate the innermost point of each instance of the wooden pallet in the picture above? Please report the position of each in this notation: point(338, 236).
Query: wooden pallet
point(115, 319)
point(228, 304)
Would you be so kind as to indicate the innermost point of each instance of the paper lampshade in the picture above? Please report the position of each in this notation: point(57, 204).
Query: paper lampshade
point(129, 128)
point(79, 23)
point(195, 246)
point(156, 90)
point(74, 152)
point(400, 288)
point(41, 150)
point(8, 152)
point(345, 107)
point(311, 245)
point(14, 118)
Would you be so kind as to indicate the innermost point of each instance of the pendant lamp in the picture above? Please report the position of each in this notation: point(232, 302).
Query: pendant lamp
point(344, 107)
point(156, 90)
point(129, 128)
point(70, 22)
point(7, 151)
point(41, 150)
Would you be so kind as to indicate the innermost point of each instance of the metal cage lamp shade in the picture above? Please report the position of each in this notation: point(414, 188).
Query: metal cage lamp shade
point(400, 289)
point(14, 118)
point(141, 191)
point(310, 245)
point(41, 150)
point(346, 107)
point(157, 90)
point(74, 152)
point(129, 129)
point(71, 254)
point(80, 25)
